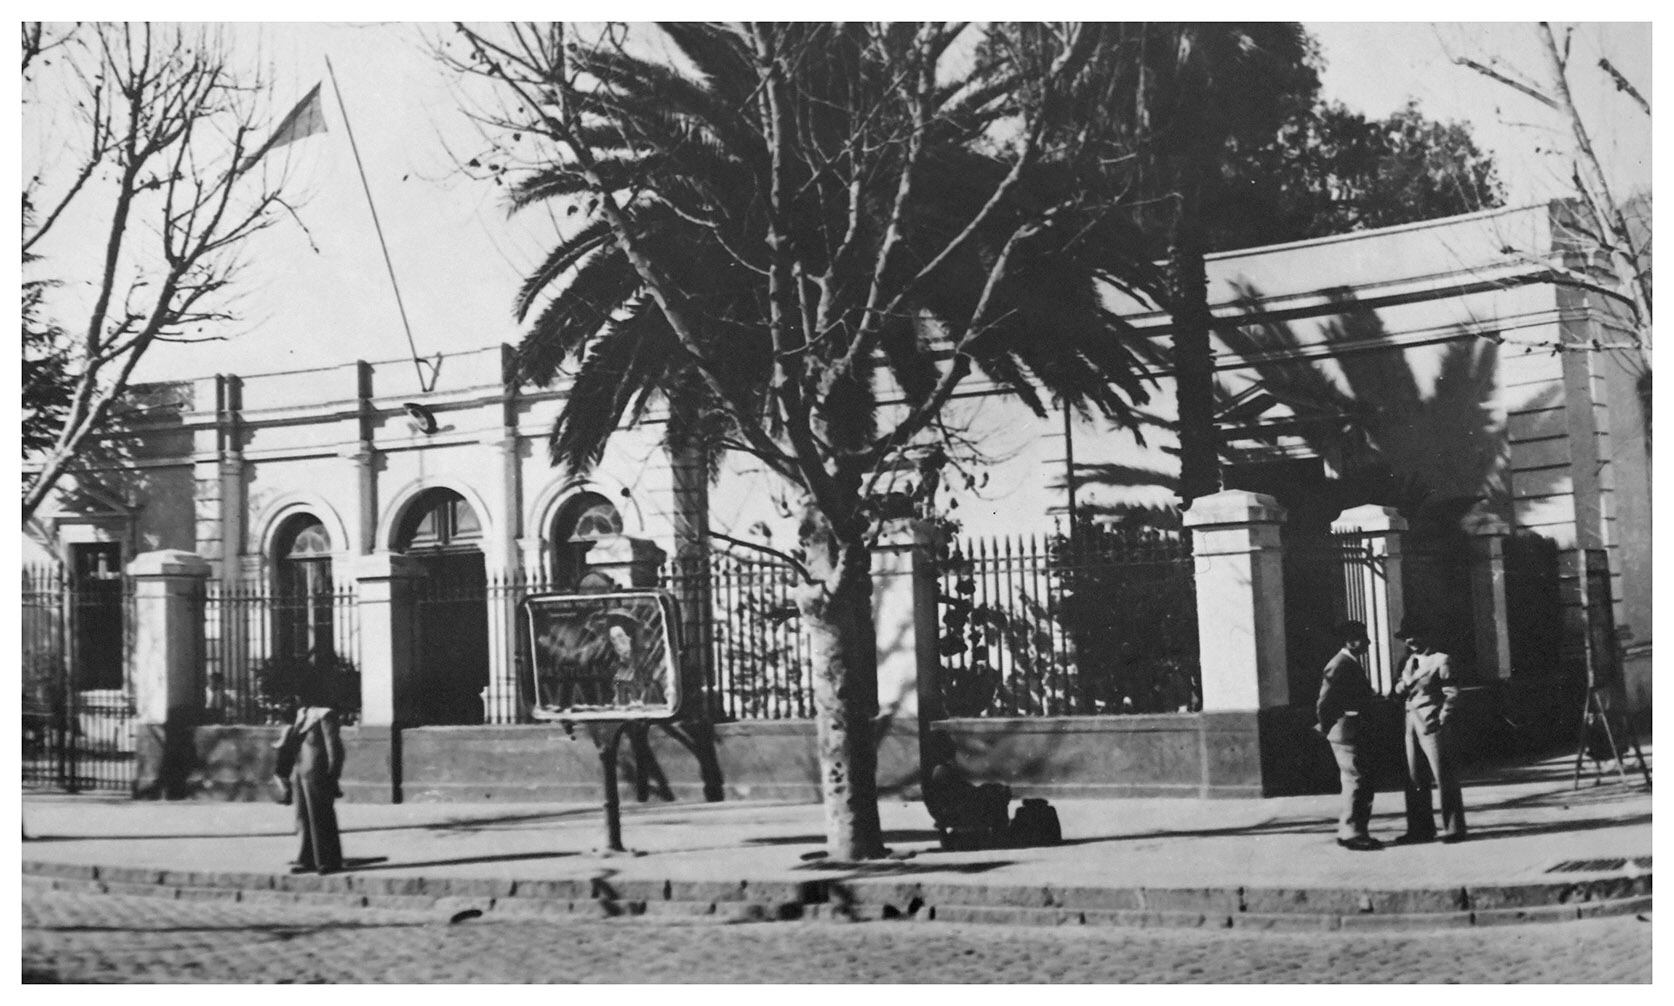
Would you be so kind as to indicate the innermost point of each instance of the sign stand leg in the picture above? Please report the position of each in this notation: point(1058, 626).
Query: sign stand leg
point(612, 798)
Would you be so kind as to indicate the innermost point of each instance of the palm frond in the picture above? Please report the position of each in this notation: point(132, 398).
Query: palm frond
point(590, 238)
point(601, 285)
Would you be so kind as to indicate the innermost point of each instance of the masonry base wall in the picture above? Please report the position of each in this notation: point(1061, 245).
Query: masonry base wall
point(1222, 754)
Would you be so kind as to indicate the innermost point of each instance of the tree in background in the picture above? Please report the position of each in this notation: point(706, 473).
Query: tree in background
point(1230, 147)
point(47, 383)
point(160, 123)
point(804, 239)
point(1189, 98)
point(1331, 170)
point(1606, 223)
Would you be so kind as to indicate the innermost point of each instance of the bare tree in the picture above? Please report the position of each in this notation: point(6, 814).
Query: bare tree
point(162, 124)
point(1604, 220)
point(806, 238)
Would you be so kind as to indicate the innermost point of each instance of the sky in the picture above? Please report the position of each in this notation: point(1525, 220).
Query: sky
point(316, 291)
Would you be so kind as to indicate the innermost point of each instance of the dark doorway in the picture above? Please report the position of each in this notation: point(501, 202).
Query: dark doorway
point(97, 616)
point(444, 534)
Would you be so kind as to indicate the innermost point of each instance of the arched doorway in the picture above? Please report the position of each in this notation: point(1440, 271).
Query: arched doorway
point(584, 519)
point(444, 534)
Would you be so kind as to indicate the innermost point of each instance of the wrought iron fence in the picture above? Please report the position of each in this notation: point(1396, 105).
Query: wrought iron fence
point(470, 644)
point(1100, 621)
point(77, 703)
point(261, 646)
point(759, 663)
point(738, 616)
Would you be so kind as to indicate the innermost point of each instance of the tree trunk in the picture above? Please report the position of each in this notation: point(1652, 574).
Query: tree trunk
point(690, 470)
point(843, 637)
point(1200, 472)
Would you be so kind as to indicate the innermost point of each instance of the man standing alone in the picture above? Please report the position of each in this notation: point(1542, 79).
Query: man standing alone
point(1344, 697)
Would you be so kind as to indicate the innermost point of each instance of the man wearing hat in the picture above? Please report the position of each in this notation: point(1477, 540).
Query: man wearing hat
point(1345, 695)
point(1430, 692)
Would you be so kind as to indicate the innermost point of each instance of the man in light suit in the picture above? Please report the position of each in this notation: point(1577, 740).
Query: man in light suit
point(1345, 695)
point(1428, 687)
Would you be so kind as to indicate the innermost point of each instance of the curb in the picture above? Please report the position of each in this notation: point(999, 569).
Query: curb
point(1273, 909)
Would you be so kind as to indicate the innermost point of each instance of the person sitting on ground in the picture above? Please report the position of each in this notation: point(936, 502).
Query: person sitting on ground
point(954, 802)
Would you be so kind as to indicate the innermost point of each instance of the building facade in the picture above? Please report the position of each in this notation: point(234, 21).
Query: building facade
point(1473, 377)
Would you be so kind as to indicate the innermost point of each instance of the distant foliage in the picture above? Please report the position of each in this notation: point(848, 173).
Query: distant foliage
point(1333, 170)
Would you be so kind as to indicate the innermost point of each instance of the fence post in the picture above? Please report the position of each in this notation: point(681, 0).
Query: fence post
point(926, 634)
point(1488, 608)
point(385, 592)
point(1239, 574)
point(1379, 529)
point(894, 613)
point(165, 662)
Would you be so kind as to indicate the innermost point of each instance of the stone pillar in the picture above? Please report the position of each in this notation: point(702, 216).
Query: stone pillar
point(500, 699)
point(893, 614)
point(388, 671)
point(1239, 571)
point(1488, 609)
point(165, 665)
point(1379, 529)
point(388, 663)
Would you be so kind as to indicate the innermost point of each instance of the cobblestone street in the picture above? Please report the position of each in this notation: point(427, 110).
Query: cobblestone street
point(74, 937)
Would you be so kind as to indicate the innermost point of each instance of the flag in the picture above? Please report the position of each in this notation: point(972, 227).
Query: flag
point(306, 119)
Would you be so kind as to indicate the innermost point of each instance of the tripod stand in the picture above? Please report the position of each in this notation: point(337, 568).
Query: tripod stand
point(1596, 715)
point(1603, 661)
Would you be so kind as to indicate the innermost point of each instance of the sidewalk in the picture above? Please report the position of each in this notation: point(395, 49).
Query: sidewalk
point(1266, 862)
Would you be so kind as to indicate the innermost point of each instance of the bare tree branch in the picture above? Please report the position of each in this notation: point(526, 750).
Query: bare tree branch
point(1516, 85)
point(174, 136)
point(1623, 84)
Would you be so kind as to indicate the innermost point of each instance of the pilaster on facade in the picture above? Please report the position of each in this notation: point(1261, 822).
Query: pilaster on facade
point(1488, 604)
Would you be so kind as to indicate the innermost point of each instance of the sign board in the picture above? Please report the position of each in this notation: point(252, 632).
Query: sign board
point(612, 656)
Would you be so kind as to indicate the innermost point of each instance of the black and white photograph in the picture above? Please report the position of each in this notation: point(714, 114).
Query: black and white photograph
point(817, 502)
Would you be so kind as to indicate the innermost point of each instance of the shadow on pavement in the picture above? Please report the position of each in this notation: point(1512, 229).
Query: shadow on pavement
point(913, 835)
point(461, 861)
point(899, 867)
point(1480, 832)
point(466, 825)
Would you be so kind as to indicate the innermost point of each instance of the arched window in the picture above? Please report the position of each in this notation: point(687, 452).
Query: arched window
point(583, 519)
point(302, 560)
point(440, 521)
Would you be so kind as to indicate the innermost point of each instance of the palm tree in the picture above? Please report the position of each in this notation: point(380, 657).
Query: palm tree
point(803, 238)
point(1190, 97)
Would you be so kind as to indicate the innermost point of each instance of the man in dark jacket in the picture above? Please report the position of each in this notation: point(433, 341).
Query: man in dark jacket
point(1345, 695)
point(1430, 691)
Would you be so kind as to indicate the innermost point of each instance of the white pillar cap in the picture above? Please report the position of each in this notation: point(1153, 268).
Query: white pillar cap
point(1233, 507)
point(1369, 517)
point(169, 562)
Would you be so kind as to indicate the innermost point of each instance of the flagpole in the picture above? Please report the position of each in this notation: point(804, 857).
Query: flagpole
point(361, 168)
